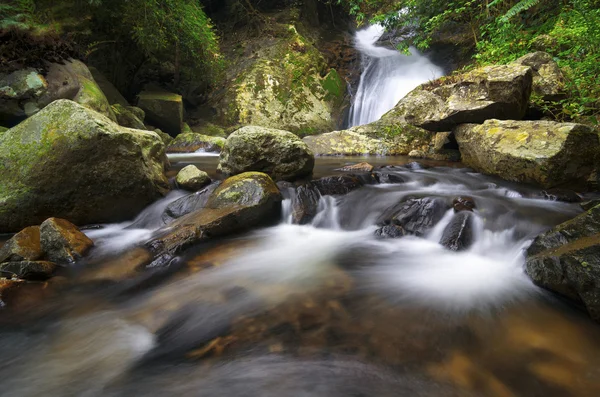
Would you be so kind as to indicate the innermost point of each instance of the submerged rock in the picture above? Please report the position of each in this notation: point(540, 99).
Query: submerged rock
point(541, 152)
point(71, 162)
point(280, 154)
point(463, 203)
point(305, 203)
point(415, 216)
point(23, 246)
point(239, 203)
point(564, 195)
point(190, 142)
point(189, 203)
point(192, 179)
point(390, 231)
point(566, 260)
point(163, 110)
point(388, 177)
point(458, 235)
point(29, 270)
point(62, 242)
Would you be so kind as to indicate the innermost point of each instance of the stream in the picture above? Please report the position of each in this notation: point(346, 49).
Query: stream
point(324, 309)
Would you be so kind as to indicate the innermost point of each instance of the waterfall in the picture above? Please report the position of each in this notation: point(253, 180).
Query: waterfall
point(387, 76)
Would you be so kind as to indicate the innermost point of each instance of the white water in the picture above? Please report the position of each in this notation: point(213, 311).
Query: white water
point(387, 76)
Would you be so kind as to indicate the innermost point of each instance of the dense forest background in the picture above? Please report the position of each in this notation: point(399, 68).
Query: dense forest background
point(182, 39)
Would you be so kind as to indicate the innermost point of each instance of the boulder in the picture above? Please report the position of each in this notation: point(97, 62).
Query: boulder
point(163, 110)
point(414, 216)
point(566, 260)
point(500, 92)
point(23, 246)
point(126, 118)
point(62, 242)
point(281, 82)
point(280, 154)
point(548, 79)
point(189, 203)
point(190, 142)
point(546, 153)
point(390, 231)
point(73, 80)
point(192, 179)
point(239, 203)
point(29, 270)
point(71, 162)
point(113, 95)
point(305, 203)
point(337, 185)
point(458, 234)
point(19, 93)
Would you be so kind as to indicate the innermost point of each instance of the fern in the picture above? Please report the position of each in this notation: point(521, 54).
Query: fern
point(522, 5)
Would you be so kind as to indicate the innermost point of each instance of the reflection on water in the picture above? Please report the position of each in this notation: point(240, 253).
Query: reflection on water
point(324, 309)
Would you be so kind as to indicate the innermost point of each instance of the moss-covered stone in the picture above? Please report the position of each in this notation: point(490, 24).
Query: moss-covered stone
point(548, 79)
point(3, 129)
point(71, 162)
point(190, 142)
point(281, 85)
point(542, 152)
point(280, 154)
point(163, 110)
point(566, 260)
point(127, 118)
point(166, 138)
point(192, 179)
point(110, 91)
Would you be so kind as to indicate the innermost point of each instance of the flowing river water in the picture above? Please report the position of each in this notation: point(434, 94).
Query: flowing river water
point(324, 309)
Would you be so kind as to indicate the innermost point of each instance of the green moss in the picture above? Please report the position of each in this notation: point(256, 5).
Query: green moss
point(333, 84)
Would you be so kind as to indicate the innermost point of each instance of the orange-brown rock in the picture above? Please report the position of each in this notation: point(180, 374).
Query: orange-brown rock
point(62, 242)
point(23, 246)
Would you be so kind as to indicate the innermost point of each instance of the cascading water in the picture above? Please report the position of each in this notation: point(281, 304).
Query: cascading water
point(387, 76)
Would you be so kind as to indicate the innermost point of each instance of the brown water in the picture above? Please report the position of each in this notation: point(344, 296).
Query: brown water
point(316, 310)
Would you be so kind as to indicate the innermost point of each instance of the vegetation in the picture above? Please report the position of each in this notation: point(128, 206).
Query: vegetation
point(503, 30)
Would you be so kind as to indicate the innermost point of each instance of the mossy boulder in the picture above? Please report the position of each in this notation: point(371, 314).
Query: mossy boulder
point(280, 154)
point(284, 83)
point(190, 142)
point(192, 179)
point(239, 203)
point(166, 138)
point(548, 79)
point(3, 129)
point(163, 110)
point(545, 153)
point(72, 162)
point(126, 118)
point(500, 92)
point(566, 260)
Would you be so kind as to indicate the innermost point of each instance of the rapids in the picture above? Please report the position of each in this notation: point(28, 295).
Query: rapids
point(324, 309)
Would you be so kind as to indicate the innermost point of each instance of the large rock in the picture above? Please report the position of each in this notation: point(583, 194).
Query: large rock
point(23, 246)
point(413, 216)
point(163, 110)
point(62, 242)
point(239, 203)
point(541, 152)
point(280, 154)
point(19, 93)
point(71, 162)
point(305, 203)
point(282, 82)
point(458, 234)
point(500, 92)
point(190, 142)
point(192, 179)
point(566, 260)
point(548, 79)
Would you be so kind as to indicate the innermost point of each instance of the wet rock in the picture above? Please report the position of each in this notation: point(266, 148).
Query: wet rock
point(541, 152)
point(279, 154)
point(415, 216)
point(190, 142)
point(125, 266)
point(29, 270)
point(500, 92)
point(192, 179)
point(566, 260)
point(588, 205)
point(71, 162)
point(463, 203)
point(187, 204)
point(388, 177)
point(239, 203)
point(564, 195)
point(127, 118)
point(337, 185)
point(458, 235)
point(305, 203)
point(390, 231)
point(23, 246)
point(62, 242)
point(163, 110)
point(359, 167)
